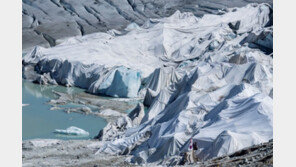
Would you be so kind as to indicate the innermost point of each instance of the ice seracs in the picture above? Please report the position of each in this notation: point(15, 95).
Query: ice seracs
point(121, 82)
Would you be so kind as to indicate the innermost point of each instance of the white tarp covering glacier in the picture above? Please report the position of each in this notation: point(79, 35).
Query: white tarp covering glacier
point(209, 78)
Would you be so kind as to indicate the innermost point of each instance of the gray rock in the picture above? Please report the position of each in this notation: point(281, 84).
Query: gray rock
point(86, 110)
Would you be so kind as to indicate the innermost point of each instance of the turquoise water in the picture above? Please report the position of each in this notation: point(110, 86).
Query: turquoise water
point(40, 122)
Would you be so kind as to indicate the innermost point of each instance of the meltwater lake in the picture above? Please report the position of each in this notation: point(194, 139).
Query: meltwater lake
point(38, 121)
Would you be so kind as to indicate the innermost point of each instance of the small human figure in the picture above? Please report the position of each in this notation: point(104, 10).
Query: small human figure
point(195, 148)
point(190, 155)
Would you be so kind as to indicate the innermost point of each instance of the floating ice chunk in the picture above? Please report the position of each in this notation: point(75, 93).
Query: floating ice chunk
point(72, 130)
point(24, 105)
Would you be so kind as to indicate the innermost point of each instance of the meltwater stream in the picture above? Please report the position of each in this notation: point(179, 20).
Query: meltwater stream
point(38, 121)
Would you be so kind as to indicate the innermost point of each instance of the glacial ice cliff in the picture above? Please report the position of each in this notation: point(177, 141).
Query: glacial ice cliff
point(208, 78)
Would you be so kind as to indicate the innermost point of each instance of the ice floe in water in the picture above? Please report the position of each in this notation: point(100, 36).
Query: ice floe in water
point(209, 79)
point(72, 130)
point(24, 105)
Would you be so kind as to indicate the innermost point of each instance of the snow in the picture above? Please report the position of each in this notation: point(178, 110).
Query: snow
point(209, 78)
point(72, 130)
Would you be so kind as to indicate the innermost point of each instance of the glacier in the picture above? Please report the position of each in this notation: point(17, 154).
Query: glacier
point(47, 23)
point(206, 78)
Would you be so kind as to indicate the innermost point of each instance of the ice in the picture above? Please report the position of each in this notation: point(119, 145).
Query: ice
point(115, 65)
point(72, 130)
point(122, 82)
point(24, 105)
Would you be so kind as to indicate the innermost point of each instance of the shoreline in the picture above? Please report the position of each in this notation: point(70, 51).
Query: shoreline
point(52, 152)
